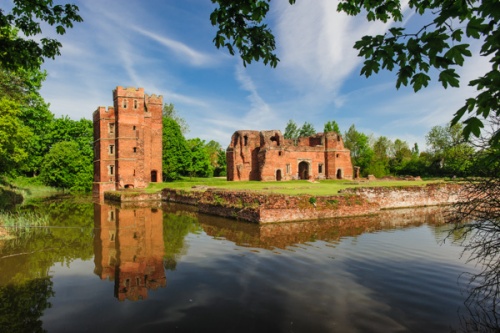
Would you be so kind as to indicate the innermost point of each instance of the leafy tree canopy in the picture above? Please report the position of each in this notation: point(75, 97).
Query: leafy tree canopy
point(437, 45)
point(169, 111)
point(306, 130)
point(28, 17)
point(291, 130)
point(64, 166)
point(331, 126)
point(176, 154)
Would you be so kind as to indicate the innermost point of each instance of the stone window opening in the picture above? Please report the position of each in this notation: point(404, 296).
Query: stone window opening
point(320, 168)
point(133, 127)
point(245, 140)
point(280, 153)
point(124, 103)
point(338, 155)
point(288, 169)
point(134, 172)
point(112, 237)
point(135, 104)
point(111, 215)
point(135, 150)
point(338, 138)
point(111, 149)
point(111, 128)
point(111, 169)
point(278, 175)
point(276, 138)
point(154, 176)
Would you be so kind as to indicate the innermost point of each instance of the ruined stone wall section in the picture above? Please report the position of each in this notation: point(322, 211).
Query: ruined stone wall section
point(409, 196)
point(242, 155)
point(268, 156)
point(272, 208)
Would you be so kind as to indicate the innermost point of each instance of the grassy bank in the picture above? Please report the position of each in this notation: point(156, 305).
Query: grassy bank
point(294, 187)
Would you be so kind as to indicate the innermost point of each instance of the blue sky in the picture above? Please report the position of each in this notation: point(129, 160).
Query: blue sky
point(166, 47)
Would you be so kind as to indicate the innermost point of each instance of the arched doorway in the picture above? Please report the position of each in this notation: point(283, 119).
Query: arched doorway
point(339, 174)
point(303, 170)
point(154, 176)
point(278, 174)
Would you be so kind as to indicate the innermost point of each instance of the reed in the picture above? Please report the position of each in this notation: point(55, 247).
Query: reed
point(22, 220)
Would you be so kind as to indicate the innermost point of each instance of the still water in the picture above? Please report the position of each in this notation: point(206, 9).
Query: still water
point(103, 268)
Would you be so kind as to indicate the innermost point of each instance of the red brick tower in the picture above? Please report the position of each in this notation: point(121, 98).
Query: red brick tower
point(128, 141)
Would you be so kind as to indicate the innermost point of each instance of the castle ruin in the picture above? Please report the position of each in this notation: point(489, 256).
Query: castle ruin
point(268, 156)
point(128, 141)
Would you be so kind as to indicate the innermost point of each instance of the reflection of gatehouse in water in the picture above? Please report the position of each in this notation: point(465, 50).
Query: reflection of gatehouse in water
point(129, 249)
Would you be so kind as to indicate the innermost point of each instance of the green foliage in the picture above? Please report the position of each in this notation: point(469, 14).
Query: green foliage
point(200, 165)
point(169, 111)
point(221, 168)
point(64, 166)
point(240, 26)
point(28, 17)
point(437, 45)
point(176, 153)
point(450, 154)
point(306, 130)
point(14, 137)
point(359, 145)
point(331, 126)
point(291, 131)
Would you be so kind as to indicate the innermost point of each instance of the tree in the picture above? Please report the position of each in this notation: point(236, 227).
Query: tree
point(28, 17)
point(200, 165)
point(176, 154)
point(217, 158)
point(382, 152)
point(306, 130)
point(436, 45)
point(359, 145)
point(331, 126)
point(291, 131)
point(402, 156)
point(14, 136)
point(451, 153)
point(64, 166)
point(169, 111)
point(221, 169)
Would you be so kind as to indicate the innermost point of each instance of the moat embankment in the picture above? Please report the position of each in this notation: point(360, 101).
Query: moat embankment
point(271, 208)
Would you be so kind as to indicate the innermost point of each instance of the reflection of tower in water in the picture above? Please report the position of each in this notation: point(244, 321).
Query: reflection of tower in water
point(129, 249)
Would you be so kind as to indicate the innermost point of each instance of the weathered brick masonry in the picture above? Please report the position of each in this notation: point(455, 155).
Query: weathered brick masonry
point(271, 208)
point(268, 156)
point(128, 141)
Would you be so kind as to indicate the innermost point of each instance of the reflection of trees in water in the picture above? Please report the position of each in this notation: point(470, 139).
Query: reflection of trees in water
point(22, 305)
point(177, 224)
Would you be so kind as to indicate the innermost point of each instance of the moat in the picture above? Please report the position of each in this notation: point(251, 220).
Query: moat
point(104, 268)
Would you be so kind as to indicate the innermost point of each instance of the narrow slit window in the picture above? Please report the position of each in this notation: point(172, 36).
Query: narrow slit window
point(111, 170)
point(135, 150)
point(111, 149)
point(320, 168)
point(135, 104)
point(111, 128)
point(124, 103)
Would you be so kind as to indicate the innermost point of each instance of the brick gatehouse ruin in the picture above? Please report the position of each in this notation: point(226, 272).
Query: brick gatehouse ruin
point(128, 141)
point(268, 156)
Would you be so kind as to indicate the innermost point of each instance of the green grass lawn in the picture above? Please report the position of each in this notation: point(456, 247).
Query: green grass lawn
point(293, 187)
